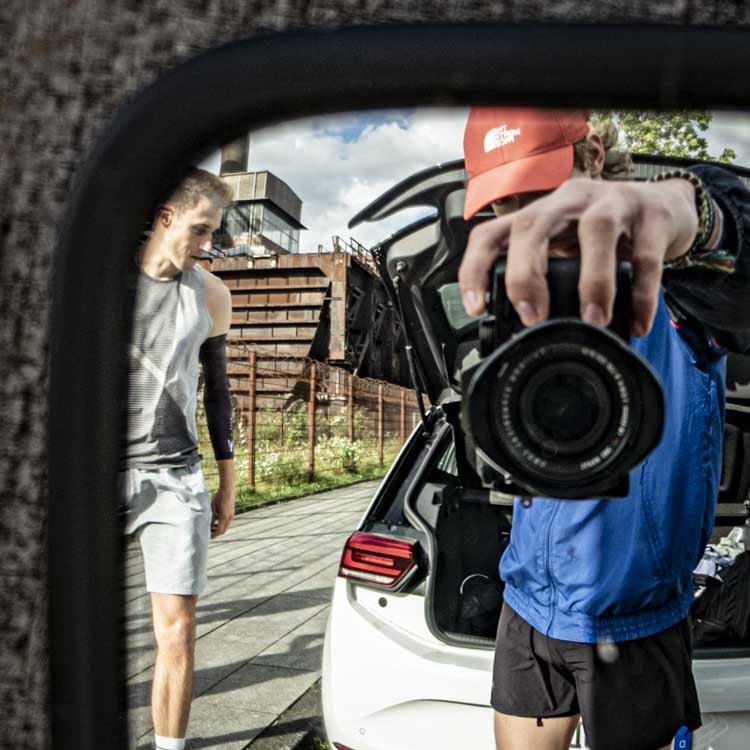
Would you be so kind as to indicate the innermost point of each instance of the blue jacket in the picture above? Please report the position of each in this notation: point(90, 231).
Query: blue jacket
point(619, 569)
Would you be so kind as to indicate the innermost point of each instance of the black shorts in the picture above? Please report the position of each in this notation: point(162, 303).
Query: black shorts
point(632, 695)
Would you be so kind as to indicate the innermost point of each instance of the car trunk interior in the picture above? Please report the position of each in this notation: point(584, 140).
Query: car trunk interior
point(470, 529)
point(471, 536)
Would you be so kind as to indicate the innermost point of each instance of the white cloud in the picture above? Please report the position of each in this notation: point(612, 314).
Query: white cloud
point(337, 164)
point(730, 129)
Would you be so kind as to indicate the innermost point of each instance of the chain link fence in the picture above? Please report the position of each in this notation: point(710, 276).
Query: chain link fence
point(298, 422)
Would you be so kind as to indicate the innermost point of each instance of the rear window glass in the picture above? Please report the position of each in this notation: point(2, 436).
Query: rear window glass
point(450, 298)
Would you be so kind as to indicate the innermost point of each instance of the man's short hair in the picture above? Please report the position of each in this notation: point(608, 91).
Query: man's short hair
point(199, 183)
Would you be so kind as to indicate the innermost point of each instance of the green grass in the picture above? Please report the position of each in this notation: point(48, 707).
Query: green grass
point(316, 744)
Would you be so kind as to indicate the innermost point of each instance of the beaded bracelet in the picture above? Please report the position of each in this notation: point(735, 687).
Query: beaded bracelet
point(704, 206)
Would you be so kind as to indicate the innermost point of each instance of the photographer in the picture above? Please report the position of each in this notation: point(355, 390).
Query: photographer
point(597, 591)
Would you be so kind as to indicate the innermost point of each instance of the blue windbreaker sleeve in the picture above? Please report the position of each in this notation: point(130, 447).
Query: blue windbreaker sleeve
point(718, 300)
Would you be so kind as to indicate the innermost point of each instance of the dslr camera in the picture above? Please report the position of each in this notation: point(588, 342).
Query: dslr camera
point(561, 409)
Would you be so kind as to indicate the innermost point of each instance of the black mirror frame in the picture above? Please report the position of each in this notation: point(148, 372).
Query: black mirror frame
point(210, 100)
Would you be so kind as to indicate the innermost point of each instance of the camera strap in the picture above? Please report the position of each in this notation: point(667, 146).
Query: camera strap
point(702, 342)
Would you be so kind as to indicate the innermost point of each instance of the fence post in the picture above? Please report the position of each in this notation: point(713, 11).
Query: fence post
point(251, 391)
point(350, 409)
point(311, 423)
point(380, 424)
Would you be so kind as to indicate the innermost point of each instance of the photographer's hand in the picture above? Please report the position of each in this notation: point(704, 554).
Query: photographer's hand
point(659, 219)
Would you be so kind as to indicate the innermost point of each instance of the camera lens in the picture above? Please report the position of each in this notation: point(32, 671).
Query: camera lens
point(565, 408)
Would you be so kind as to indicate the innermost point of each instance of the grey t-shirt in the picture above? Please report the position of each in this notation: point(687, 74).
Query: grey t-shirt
point(170, 322)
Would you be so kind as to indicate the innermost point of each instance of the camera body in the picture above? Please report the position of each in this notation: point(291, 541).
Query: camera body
point(561, 409)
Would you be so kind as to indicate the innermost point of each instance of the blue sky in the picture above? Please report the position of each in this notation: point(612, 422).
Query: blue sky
point(350, 128)
point(337, 164)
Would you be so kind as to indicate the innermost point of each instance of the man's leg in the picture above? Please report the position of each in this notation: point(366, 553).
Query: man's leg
point(640, 696)
point(533, 696)
point(170, 511)
point(521, 733)
point(174, 629)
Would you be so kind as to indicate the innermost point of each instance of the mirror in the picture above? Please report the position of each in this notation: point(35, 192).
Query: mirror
point(141, 156)
point(321, 393)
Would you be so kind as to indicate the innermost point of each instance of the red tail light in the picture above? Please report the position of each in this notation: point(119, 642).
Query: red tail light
point(377, 560)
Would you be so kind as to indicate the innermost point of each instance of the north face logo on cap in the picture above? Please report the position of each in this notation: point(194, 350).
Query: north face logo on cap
point(500, 136)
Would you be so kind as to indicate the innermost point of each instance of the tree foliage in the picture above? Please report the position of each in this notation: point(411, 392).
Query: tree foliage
point(677, 133)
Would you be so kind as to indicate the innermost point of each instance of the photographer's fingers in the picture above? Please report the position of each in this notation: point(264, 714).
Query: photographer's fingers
point(526, 266)
point(525, 235)
point(486, 243)
point(599, 230)
point(650, 242)
point(532, 229)
point(605, 214)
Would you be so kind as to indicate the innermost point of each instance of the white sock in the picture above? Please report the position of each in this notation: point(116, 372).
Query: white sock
point(169, 743)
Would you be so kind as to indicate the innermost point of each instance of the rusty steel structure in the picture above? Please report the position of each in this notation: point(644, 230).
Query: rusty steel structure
point(330, 307)
point(326, 306)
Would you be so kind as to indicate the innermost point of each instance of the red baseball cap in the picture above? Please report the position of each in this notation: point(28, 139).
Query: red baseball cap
point(510, 150)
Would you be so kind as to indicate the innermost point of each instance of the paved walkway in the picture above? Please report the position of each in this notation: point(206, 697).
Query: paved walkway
point(260, 622)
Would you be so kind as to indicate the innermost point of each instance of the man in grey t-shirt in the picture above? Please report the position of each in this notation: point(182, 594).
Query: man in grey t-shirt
point(181, 318)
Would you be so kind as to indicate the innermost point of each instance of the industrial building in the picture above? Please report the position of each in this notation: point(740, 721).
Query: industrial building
point(290, 306)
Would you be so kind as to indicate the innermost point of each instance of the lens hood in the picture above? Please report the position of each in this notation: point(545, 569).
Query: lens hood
point(563, 409)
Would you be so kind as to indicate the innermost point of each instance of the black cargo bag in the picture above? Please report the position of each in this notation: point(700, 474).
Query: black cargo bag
point(721, 615)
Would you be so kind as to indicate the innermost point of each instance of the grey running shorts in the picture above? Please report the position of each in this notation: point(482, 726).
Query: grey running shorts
point(636, 697)
point(169, 512)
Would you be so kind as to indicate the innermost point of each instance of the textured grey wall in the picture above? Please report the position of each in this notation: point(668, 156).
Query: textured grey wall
point(67, 66)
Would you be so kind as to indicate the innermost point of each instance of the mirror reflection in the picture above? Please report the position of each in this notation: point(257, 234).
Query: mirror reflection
point(439, 435)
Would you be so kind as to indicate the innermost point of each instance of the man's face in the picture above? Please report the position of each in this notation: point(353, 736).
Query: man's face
point(189, 233)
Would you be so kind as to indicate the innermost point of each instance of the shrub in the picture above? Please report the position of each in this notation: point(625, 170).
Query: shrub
point(339, 453)
point(285, 464)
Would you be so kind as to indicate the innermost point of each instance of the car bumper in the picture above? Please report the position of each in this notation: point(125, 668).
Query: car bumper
point(389, 684)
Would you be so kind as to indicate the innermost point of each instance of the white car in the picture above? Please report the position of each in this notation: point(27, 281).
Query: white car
point(408, 651)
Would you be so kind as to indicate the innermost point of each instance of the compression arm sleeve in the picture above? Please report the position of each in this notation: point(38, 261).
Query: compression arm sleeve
point(216, 399)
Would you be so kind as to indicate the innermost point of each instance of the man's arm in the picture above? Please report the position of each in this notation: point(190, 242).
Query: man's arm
point(660, 221)
point(217, 401)
point(719, 298)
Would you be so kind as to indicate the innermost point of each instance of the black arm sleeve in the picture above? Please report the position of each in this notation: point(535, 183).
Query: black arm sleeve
point(718, 300)
point(216, 398)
